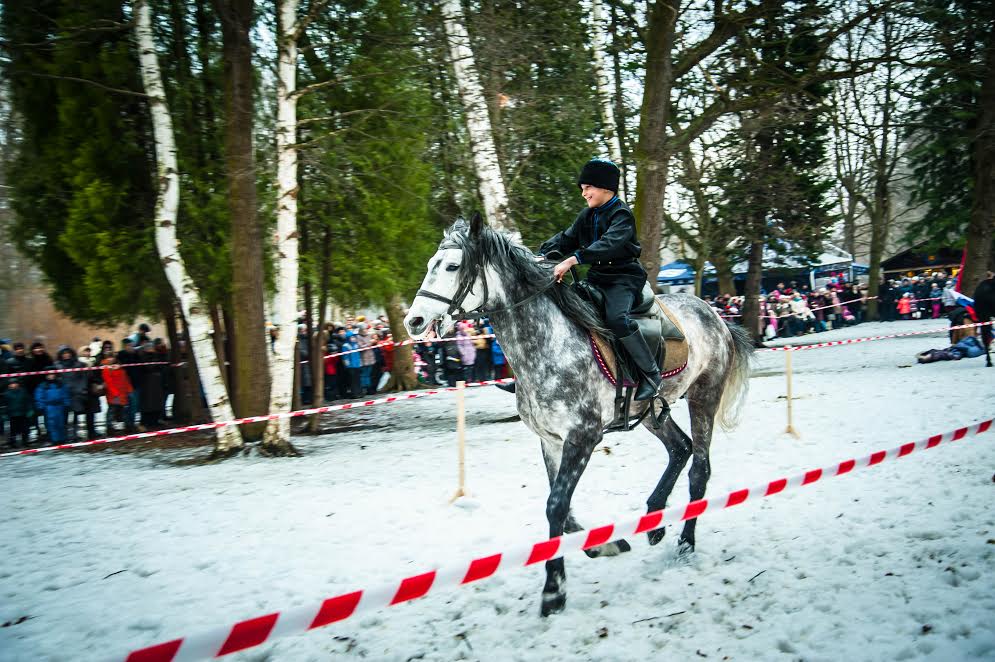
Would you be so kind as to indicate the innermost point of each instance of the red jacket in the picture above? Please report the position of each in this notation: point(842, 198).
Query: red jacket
point(117, 384)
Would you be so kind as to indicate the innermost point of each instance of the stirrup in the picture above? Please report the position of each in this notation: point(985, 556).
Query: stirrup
point(661, 418)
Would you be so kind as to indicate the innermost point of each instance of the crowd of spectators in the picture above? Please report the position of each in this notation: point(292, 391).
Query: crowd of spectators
point(794, 309)
point(61, 407)
point(349, 373)
point(359, 357)
point(467, 353)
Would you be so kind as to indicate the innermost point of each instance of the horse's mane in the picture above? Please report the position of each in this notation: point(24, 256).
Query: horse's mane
point(519, 265)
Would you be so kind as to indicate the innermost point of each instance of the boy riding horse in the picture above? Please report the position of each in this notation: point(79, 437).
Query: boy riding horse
point(604, 236)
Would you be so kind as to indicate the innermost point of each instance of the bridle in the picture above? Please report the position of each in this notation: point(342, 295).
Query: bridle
point(455, 304)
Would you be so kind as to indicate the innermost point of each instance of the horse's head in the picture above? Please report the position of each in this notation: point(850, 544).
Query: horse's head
point(453, 282)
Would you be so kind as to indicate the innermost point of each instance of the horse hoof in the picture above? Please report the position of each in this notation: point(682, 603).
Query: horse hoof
point(609, 549)
point(552, 604)
point(656, 535)
point(684, 547)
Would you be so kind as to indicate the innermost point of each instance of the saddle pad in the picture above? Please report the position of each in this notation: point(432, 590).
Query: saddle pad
point(674, 362)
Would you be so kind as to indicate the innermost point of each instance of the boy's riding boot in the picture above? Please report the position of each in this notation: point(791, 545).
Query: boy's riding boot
point(635, 345)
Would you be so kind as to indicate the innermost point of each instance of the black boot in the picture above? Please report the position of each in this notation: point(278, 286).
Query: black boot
point(649, 384)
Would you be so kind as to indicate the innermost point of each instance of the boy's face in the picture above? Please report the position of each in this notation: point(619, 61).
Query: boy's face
point(595, 196)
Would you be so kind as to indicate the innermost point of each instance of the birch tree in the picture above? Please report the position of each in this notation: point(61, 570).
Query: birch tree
point(606, 91)
point(493, 193)
point(276, 440)
point(167, 202)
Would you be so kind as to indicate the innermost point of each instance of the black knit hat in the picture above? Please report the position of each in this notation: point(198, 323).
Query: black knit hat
point(601, 173)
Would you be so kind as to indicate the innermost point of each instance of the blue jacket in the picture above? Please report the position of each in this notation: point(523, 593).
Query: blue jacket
point(52, 398)
point(353, 360)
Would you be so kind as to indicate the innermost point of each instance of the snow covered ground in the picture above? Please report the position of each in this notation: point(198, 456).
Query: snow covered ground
point(104, 552)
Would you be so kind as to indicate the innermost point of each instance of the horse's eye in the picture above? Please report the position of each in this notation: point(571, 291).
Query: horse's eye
point(452, 267)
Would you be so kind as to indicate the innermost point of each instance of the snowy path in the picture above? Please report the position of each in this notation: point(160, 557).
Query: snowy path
point(106, 552)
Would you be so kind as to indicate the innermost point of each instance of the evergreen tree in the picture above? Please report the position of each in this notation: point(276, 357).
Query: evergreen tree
point(538, 77)
point(949, 137)
point(82, 180)
point(365, 172)
point(777, 187)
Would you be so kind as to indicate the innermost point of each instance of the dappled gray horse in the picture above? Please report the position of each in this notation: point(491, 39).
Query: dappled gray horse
point(562, 395)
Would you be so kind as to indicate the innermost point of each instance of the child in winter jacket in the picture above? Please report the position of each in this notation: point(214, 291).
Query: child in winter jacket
point(353, 364)
point(117, 388)
point(905, 306)
point(52, 400)
point(18, 401)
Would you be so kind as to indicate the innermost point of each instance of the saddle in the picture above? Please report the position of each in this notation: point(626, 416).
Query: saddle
point(657, 324)
point(663, 336)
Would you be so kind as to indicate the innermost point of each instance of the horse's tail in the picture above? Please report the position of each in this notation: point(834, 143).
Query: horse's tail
point(738, 380)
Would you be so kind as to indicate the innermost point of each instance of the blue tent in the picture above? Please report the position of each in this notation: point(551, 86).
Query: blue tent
point(676, 273)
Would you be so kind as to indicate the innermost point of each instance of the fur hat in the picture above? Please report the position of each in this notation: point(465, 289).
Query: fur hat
point(601, 173)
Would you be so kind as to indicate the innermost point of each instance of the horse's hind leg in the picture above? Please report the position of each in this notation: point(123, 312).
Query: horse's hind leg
point(678, 447)
point(702, 422)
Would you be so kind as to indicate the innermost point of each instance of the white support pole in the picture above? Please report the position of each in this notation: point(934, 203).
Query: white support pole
point(461, 438)
point(787, 371)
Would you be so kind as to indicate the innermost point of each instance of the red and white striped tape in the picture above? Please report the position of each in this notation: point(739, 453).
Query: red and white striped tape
point(833, 343)
point(4, 375)
point(253, 419)
point(255, 631)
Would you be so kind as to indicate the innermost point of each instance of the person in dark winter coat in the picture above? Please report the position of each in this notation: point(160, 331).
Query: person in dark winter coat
point(38, 360)
point(452, 361)
point(52, 401)
point(18, 404)
point(84, 389)
point(128, 355)
point(151, 389)
point(604, 236)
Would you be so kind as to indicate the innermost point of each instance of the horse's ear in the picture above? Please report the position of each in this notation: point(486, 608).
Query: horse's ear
point(476, 224)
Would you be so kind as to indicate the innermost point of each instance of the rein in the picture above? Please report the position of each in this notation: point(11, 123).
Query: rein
point(455, 304)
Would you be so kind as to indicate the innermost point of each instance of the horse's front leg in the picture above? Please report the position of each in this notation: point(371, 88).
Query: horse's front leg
point(576, 453)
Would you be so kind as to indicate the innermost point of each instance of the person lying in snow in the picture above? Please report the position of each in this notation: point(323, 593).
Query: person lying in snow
point(969, 347)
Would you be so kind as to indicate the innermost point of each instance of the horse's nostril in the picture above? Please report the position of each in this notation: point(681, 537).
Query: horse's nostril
point(416, 322)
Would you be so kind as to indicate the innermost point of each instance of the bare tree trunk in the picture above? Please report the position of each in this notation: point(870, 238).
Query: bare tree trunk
point(723, 271)
point(320, 341)
point(978, 259)
point(283, 358)
point(191, 378)
point(879, 237)
point(751, 290)
point(220, 344)
point(620, 112)
point(652, 153)
point(247, 335)
point(603, 75)
point(177, 373)
point(402, 373)
point(167, 203)
point(699, 275)
point(492, 190)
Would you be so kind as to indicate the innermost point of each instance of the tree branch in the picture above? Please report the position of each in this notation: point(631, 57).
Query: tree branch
point(89, 82)
point(297, 31)
point(725, 27)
